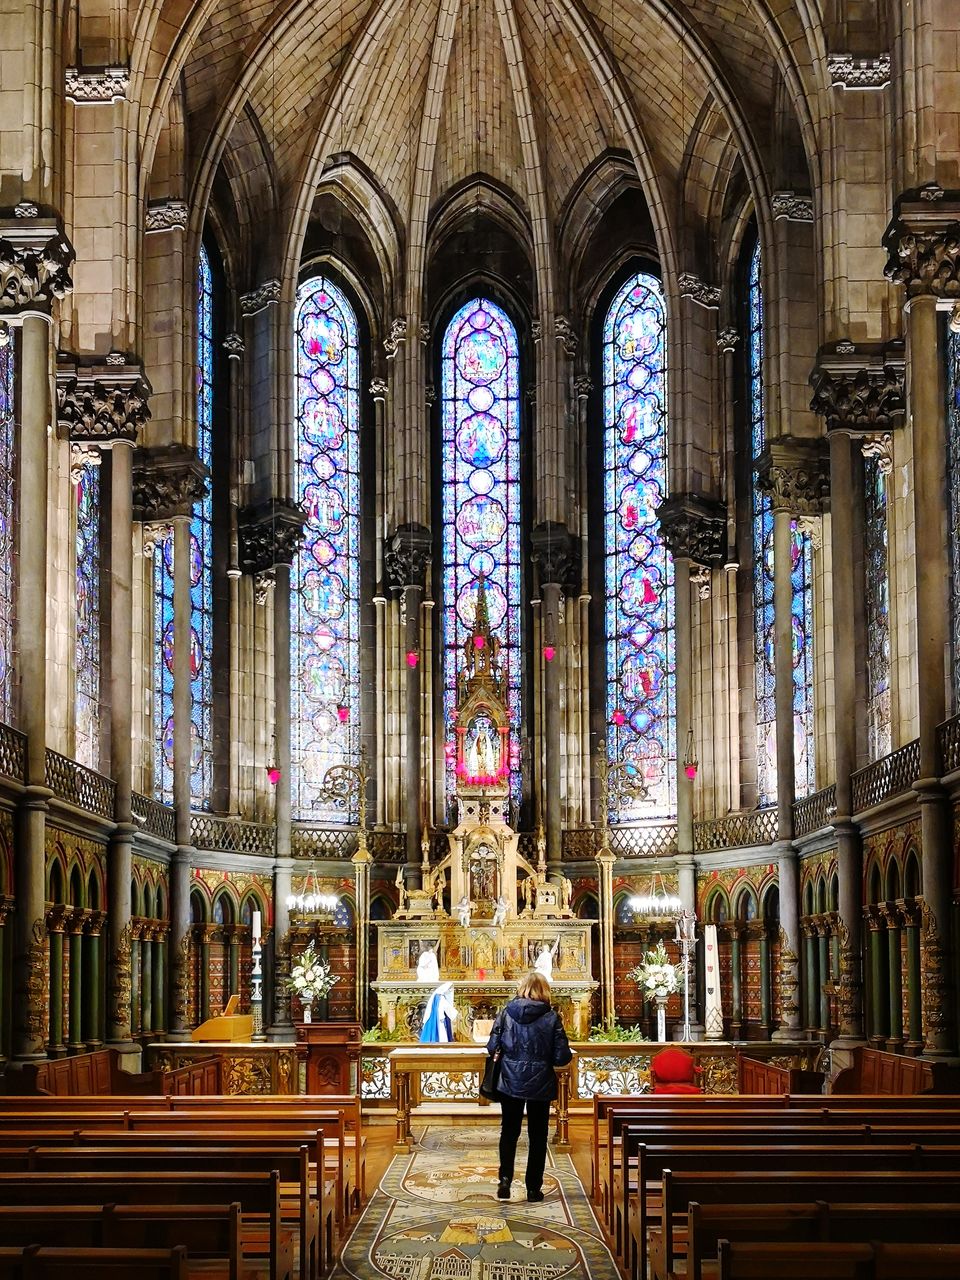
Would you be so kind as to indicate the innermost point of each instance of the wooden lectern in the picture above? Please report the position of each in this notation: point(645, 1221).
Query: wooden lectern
point(228, 1025)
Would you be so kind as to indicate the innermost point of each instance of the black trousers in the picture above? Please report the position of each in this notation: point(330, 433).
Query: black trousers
point(538, 1128)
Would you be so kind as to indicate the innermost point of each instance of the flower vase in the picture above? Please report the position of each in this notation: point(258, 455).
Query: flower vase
point(307, 1013)
point(661, 1021)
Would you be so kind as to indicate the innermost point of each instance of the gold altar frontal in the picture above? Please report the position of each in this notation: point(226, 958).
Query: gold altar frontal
point(484, 962)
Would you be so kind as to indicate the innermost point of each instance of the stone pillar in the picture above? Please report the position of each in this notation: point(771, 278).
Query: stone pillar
point(555, 553)
point(891, 917)
point(178, 959)
point(77, 978)
point(204, 936)
point(766, 984)
point(361, 879)
point(146, 981)
point(789, 964)
point(92, 1032)
point(811, 1005)
point(911, 920)
point(233, 935)
point(159, 946)
point(406, 561)
point(736, 981)
point(282, 1028)
point(605, 862)
point(877, 1028)
point(55, 926)
point(922, 242)
point(823, 957)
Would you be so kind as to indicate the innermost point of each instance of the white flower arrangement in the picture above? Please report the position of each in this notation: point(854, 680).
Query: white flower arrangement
point(310, 977)
point(655, 975)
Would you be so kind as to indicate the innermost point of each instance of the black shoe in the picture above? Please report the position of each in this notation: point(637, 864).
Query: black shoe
point(503, 1189)
point(534, 1197)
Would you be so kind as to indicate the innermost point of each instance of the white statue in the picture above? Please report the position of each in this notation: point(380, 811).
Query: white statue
point(438, 885)
point(543, 964)
point(500, 914)
point(463, 909)
point(686, 927)
point(428, 970)
point(439, 1016)
point(400, 882)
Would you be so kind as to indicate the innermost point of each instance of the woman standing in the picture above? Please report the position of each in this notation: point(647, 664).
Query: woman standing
point(532, 1042)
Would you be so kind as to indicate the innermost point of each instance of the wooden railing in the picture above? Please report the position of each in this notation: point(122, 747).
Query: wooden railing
point(79, 785)
point(736, 831)
point(815, 812)
point(891, 776)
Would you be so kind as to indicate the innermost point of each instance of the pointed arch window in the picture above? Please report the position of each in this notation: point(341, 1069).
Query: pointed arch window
point(163, 668)
point(801, 582)
point(8, 522)
point(876, 586)
point(953, 461)
point(87, 649)
point(325, 586)
point(480, 391)
point(638, 571)
point(201, 557)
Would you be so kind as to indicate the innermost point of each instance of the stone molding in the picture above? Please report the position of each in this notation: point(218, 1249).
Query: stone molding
point(397, 334)
point(787, 204)
point(101, 403)
point(35, 262)
point(923, 243)
point(694, 528)
point(258, 299)
point(93, 86)
point(848, 71)
point(556, 553)
point(860, 390)
point(691, 286)
point(166, 215)
point(167, 481)
point(407, 554)
point(795, 473)
point(269, 533)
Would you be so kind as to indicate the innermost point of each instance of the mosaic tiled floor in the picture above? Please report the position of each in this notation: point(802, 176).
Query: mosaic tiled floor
point(435, 1215)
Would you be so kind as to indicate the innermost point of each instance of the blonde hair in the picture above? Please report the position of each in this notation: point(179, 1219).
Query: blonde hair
point(535, 987)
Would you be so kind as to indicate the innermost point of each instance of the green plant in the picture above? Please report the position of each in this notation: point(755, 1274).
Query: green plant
point(377, 1035)
point(615, 1034)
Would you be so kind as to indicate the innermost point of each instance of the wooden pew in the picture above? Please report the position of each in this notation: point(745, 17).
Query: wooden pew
point(739, 1261)
point(756, 1077)
point(931, 1261)
point(258, 1195)
point(37, 1262)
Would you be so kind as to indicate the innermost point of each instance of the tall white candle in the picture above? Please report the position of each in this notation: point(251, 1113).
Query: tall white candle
point(256, 924)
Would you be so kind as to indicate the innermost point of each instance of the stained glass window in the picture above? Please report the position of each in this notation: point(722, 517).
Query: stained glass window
point(325, 586)
point(87, 695)
point(877, 608)
point(801, 580)
point(638, 573)
point(481, 502)
point(201, 558)
point(8, 521)
point(163, 668)
point(953, 461)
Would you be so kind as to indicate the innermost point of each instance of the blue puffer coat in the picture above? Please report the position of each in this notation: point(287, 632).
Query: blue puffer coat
point(532, 1041)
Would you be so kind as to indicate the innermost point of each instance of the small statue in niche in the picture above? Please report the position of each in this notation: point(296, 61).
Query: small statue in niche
point(428, 968)
point(566, 893)
point(527, 887)
point(401, 890)
point(500, 912)
point(463, 909)
point(543, 964)
point(482, 865)
point(438, 883)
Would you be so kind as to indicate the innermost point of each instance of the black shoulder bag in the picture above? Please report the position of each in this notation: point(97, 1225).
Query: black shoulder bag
point(491, 1075)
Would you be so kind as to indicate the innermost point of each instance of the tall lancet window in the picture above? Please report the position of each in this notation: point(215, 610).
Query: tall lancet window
point(8, 523)
point(953, 462)
point(638, 571)
point(201, 557)
point(325, 586)
point(876, 587)
point(163, 668)
point(481, 501)
point(87, 688)
point(801, 581)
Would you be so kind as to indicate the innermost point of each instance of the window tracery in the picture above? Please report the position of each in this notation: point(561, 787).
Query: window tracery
point(877, 608)
point(87, 651)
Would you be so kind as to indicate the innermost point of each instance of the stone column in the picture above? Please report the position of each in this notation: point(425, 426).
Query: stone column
point(789, 962)
point(811, 1006)
point(922, 242)
point(605, 862)
point(146, 981)
point(876, 1031)
point(555, 553)
point(911, 921)
point(159, 986)
point(361, 878)
point(766, 984)
point(823, 956)
point(736, 981)
point(891, 917)
point(178, 960)
point(282, 1028)
point(55, 926)
point(93, 980)
point(406, 560)
point(76, 924)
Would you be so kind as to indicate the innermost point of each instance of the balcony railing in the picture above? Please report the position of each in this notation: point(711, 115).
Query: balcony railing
point(736, 831)
point(13, 753)
point(79, 785)
point(948, 737)
point(157, 819)
point(230, 835)
point(891, 776)
point(815, 812)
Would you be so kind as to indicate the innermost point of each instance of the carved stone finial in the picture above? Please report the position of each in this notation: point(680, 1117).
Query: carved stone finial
point(35, 262)
point(556, 553)
point(102, 403)
point(167, 481)
point(408, 553)
point(789, 205)
point(859, 391)
point(693, 527)
point(796, 474)
point(923, 243)
point(166, 215)
point(269, 533)
point(691, 286)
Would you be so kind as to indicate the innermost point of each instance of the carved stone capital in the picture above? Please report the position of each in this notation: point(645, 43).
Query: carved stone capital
point(566, 336)
point(556, 553)
point(166, 215)
point(83, 455)
point(583, 386)
point(167, 481)
point(407, 555)
point(860, 390)
point(35, 262)
point(378, 388)
point(848, 71)
point(702, 579)
point(691, 286)
point(796, 474)
point(397, 334)
point(101, 403)
point(727, 339)
point(789, 205)
point(258, 299)
point(269, 533)
point(694, 528)
point(881, 448)
point(234, 346)
point(92, 86)
point(923, 243)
